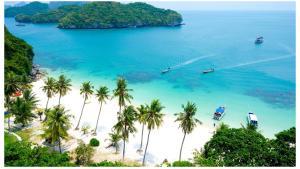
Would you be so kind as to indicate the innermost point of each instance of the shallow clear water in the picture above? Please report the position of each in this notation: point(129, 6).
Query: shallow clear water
point(248, 77)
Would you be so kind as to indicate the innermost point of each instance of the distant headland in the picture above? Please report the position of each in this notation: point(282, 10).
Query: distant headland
point(96, 15)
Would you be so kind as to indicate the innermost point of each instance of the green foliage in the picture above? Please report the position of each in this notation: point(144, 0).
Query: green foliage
point(247, 147)
point(122, 92)
point(18, 57)
point(57, 125)
point(9, 138)
point(114, 139)
point(29, 9)
point(86, 89)
point(103, 15)
point(187, 118)
point(285, 148)
point(94, 142)
point(62, 86)
point(154, 116)
point(125, 124)
point(25, 154)
point(109, 164)
point(84, 153)
point(182, 164)
point(102, 94)
point(22, 109)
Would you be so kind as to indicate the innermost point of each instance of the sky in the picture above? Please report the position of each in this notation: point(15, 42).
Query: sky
point(215, 5)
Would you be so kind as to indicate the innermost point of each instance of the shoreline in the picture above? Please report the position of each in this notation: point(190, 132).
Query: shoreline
point(168, 136)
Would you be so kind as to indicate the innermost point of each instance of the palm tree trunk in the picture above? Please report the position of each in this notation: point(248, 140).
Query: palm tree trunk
point(77, 127)
point(59, 144)
point(45, 119)
point(47, 104)
point(123, 149)
point(182, 146)
point(141, 145)
point(146, 148)
point(120, 109)
point(95, 132)
point(59, 99)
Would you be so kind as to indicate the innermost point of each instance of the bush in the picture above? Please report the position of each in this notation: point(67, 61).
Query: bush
point(182, 164)
point(26, 154)
point(109, 164)
point(84, 153)
point(94, 142)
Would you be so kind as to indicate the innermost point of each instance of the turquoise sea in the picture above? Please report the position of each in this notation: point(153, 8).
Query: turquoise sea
point(248, 77)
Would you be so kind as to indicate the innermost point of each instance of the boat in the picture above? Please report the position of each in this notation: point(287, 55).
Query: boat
point(252, 119)
point(165, 71)
point(219, 113)
point(20, 24)
point(259, 40)
point(208, 70)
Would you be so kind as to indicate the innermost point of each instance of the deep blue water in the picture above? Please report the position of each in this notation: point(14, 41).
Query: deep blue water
point(248, 77)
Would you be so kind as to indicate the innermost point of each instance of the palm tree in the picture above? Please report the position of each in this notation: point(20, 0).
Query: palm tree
point(49, 89)
point(57, 125)
point(154, 119)
point(114, 139)
point(102, 95)
point(142, 110)
point(125, 124)
point(11, 85)
point(22, 110)
point(86, 90)
point(30, 97)
point(122, 92)
point(62, 86)
point(187, 121)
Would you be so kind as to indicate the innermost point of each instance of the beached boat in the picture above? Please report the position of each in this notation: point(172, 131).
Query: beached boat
point(259, 40)
point(165, 71)
point(219, 113)
point(252, 119)
point(208, 70)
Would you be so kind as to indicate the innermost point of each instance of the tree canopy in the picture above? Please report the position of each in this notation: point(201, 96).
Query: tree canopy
point(104, 15)
point(26, 154)
point(246, 147)
point(18, 55)
point(28, 9)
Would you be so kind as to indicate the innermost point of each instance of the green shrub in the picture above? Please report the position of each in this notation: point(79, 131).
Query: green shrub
point(94, 142)
point(84, 153)
point(109, 164)
point(182, 164)
point(24, 154)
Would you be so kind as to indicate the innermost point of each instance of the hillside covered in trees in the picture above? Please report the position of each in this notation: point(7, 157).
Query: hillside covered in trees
point(18, 55)
point(103, 15)
point(28, 9)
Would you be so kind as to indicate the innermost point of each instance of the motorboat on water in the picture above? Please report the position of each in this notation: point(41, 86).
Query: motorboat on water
point(219, 113)
point(252, 119)
point(208, 70)
point(165, 71)
point(259, 40)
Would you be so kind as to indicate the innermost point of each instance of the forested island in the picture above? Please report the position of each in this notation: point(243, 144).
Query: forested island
point(98, 15)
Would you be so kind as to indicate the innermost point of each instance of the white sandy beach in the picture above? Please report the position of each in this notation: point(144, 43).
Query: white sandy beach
point(164, 142)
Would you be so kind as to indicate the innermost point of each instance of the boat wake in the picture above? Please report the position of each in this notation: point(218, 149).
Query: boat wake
point(191, 61)
point(286, 47)
point(257, 62)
